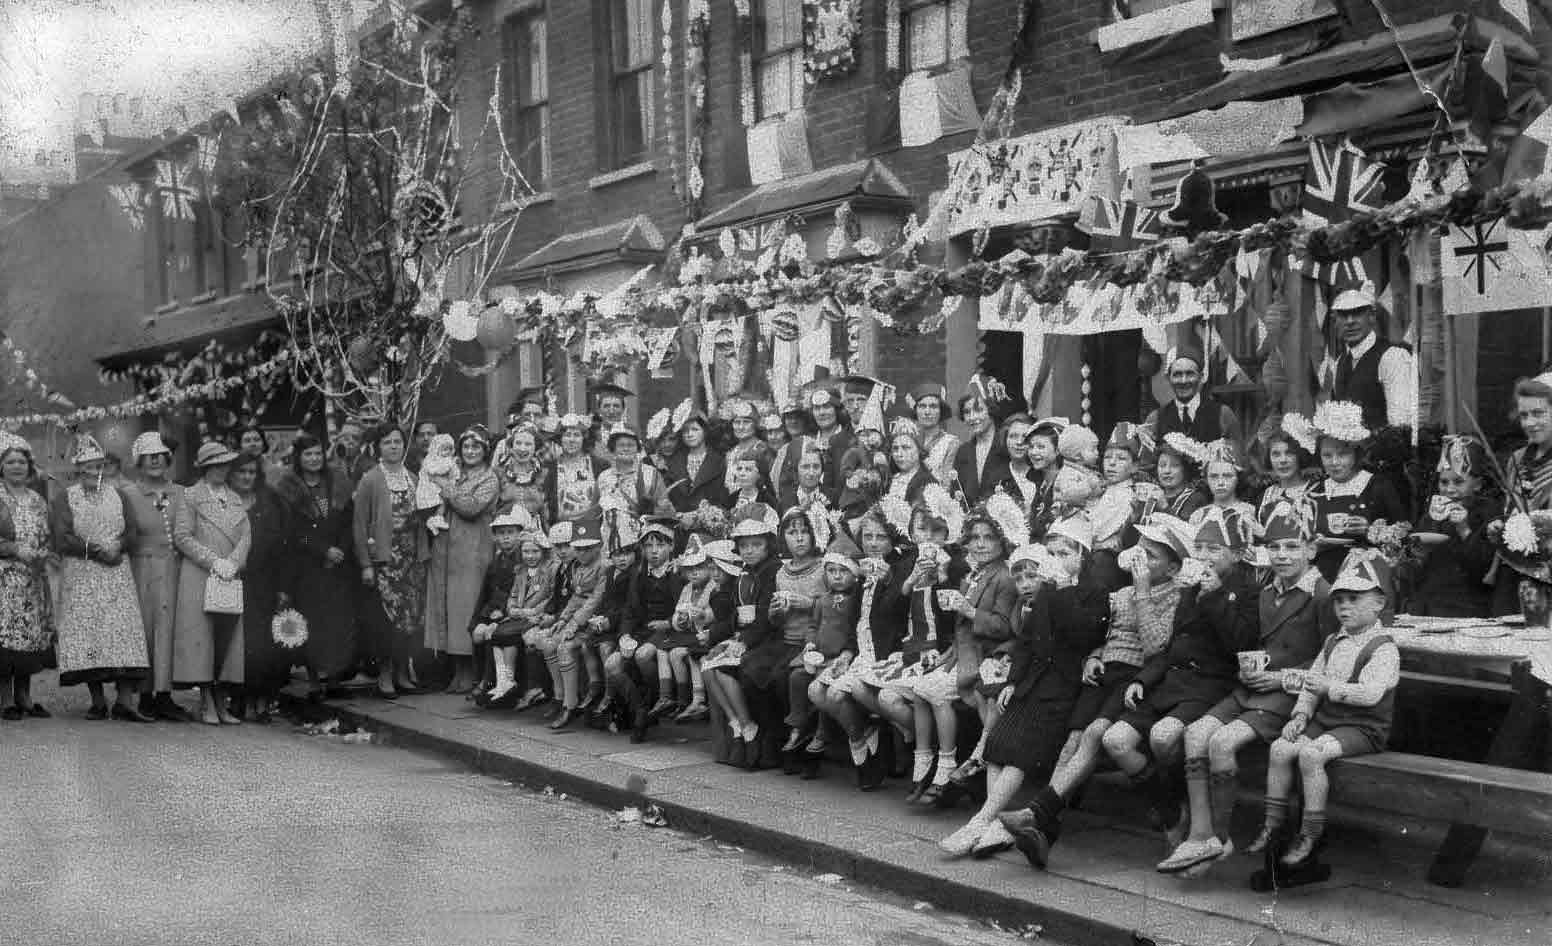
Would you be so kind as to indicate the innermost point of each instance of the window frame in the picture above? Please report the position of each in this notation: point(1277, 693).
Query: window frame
point(759, 55)
point(520, 110)
point(907, 9)
point(616, 75)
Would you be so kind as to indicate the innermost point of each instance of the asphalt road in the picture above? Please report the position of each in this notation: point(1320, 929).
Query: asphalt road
point(119, 833)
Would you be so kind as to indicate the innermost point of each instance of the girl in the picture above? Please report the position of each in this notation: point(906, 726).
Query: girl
point(745, 428)
point(1045, 462)
point(828, 653)
point(852, 695)
point(1128, 446)
point(460, 555)
point(1020, 481)
point(1349, 499)
point(601, 651)
point(1286, 462)
point(864, 469)
point(928, 403)
point(1456, 555)
point(526, 604)
point(26, 608)
point(745, 628)
point(706, 566)
point(1221, 470)
point(908, 474)
point(1178, 468)
point(696, 472)
point(491, 608)
point(1344, 710)
point(920, 701)
point(571, 488)
point(526, 481)
point(746, 485)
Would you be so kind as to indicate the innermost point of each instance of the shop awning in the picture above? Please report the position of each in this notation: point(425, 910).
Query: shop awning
point(867, 185)
point(193, 327)
point(635, 241)
point(1373, 57)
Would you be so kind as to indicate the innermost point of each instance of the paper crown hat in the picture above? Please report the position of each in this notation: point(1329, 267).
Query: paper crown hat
point(1169, 531)
point(1078, 528)
point(1289, 521)
point(85, 449)
point(1463, 456)
point(1224, 527)
point(1363, 570)
point(845, 553)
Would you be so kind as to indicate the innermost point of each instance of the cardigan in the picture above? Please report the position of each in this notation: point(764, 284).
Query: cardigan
point(372, 526)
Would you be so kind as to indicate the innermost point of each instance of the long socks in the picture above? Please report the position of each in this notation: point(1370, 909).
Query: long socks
point(921, 764)
point(948, 759)
point(1314, 826)
point(1223, 786)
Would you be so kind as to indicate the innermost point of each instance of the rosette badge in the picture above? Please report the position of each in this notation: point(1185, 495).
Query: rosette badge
point(289, 629)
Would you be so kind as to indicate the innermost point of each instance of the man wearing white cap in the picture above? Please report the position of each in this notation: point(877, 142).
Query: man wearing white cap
point(1370, 371)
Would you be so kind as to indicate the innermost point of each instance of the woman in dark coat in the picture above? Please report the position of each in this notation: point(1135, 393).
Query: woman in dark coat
point(266, 586)
point(696, 473)
point(318, 506)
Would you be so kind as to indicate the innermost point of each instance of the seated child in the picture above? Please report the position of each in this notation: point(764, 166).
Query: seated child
point(828, 652)
point(748, 626)
point(1344, 709)
point(490, 608)
point(1449, 582)
point(539, 639)
point(1130, 446)
point(600, 652)
point(706, 566)
point(650, 601)
point(563, 649)
point(528, 598)
point(1295, 618)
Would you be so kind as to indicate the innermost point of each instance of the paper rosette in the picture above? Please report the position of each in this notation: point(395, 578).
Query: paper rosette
point(289, 629)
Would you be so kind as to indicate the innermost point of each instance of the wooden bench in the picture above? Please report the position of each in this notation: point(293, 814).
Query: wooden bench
point(1443, 790)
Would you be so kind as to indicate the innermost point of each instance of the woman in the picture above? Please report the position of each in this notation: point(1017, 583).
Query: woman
point(212, 532)
point(929, 407)
point(26, 610)
point(981, 462)
point(524, 478)
point(266, 586)
point(1350, 498)
point(393, 550)
point(153, 506)
point(254, 442)
point(696, 473)
point(745, 428)
point(1528, 484)
point(317, 498)
point(1020, 481)
point(571, 489)
point(460, 555)
point(101, 637)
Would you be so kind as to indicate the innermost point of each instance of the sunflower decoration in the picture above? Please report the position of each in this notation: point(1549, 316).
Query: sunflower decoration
point(289, 629)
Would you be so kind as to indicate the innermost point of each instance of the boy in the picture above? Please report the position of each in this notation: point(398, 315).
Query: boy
point(536, 666)
point(1129, 447)
point(1344, 709)
point(1178, 685)
point(527, 603)
point(491, 607)
point(1457, 554)
point(650, 600)
point(565, 642)
point(601, 646)
point(1295, 618)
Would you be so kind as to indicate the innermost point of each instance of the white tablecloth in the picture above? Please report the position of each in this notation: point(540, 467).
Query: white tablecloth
point(1468, 640)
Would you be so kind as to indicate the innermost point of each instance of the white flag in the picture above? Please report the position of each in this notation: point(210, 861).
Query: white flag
point(1491, 267)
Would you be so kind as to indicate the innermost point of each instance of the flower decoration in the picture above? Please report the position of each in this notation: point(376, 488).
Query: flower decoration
point(1010, 517)
point(832, 31)
point(1340, 420)
point(1301, 430)
point(1519, 535)
point(1188, 447)
point(289, 628)
point(711, 520)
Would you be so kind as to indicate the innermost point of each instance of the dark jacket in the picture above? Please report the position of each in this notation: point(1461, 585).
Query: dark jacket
point(1059, 630)
point(975, 486)
point(1201, 662)
point(1448, 582)
point(709, 483)
point(496, 589)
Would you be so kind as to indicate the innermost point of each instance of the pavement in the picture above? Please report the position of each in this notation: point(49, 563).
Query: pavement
point(121, 833)
point(1101, 887)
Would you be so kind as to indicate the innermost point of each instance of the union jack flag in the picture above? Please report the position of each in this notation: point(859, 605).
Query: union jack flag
point(177, 196)
point(1119, 225)
point(1339, 182)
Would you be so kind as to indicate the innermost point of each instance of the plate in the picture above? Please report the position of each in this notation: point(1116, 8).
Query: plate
point(1485, 631)
point(1431, 538)
point(1512, 620)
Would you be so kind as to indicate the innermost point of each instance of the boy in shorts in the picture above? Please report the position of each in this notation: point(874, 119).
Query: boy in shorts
point(1295, 618)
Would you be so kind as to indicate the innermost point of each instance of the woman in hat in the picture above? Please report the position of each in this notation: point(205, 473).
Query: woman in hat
point(745, 426)
point(101, 636)
point(571, 490)
point(1350, 499)
point(320, 516)
point(1287, 465)
point(909, 475)
point(267, 582)
point(745, 626)
point(153, 505)
point(631, 486)
point(26, 608)
point(527, 481)
point(928, 402)
point(393, 552)
point(460, 555)
point(213, 533)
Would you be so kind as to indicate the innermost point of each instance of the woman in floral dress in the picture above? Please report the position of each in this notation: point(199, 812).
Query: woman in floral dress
point(26, 612)
point(101, 637)
point(572, 490)
point(392, 547)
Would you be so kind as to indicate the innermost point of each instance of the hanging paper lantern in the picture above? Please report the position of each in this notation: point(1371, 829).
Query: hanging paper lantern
point(461, 325)
point(784, 325)
point(495, 330)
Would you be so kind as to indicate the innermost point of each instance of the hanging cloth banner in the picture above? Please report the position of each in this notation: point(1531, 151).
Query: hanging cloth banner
point(1090, 310)
point(1492, 267)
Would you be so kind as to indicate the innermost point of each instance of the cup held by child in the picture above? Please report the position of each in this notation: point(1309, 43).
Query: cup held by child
point(1253, 661)
point(949, 599)
point(745, 615)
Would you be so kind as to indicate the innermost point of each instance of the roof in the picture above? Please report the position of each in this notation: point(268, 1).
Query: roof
point(194, 325)
point(863, 183)
point(1429, 41)
point(633, 240)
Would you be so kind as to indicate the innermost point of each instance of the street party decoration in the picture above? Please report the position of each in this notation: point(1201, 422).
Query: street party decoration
point(17, 372)
point(832, 32)
point(1012, 181)
point(1491, 267)
point(1339, 182)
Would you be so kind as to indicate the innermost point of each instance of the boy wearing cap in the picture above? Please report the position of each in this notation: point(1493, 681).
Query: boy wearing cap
point(541, 638)
point(490, 608)
point(1344, 709)
point(601, 653)
point(650, 600)
point(587, 581)
point(1295, 618)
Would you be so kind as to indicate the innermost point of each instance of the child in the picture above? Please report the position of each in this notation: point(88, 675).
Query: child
point(650, 601)
point(747, 627)
point(491, 607)
point(527, 601)
point(436, 470)
point(1350, 499)
point(600, 650)
point(1177, 470)
point(746, 484)
point(705, 567)
point(1130, 445)
point(1286, 462)
point(588, 574)
point(1295, 618)
point(540, 638)
point(1142, 619)
point(1221, 467)
point(1080, 487)
point(1343, 710)
point(1456, 553)
point(827, 654)
point(1214, 621)
point(864, 468)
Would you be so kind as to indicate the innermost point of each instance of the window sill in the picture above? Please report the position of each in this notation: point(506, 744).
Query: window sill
point(623, 174)
point(523, 203)
point(203, 297)
point(167, 307)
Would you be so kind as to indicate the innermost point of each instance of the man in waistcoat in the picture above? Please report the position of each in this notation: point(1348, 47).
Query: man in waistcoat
point(1371, 372)
point(1191, 412)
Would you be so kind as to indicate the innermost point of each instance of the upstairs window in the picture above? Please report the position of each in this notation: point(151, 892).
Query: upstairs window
point(633, 44)
point(525, 51)
point(778, 57)
point(933, 32)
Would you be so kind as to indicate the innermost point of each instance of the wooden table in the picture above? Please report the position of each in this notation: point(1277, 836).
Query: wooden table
point(1478, 653)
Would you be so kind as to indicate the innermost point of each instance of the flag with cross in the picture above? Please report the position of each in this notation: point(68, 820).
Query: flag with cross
point(1492, 267)
point(172, 183)
point(1339, 182)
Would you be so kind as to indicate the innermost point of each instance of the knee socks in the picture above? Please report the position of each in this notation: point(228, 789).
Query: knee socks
point(1047, 806)
point(1314, 826)
point(1276, 812)
point(1224, 785)
point(682, 693)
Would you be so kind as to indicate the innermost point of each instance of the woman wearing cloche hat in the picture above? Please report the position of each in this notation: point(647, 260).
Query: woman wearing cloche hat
point(153, 505)
point(101, 638)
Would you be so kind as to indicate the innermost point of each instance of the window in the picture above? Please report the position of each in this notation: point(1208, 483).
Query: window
point(526, 55)
point(633, 52)
point(778, 57)
point(933, 32)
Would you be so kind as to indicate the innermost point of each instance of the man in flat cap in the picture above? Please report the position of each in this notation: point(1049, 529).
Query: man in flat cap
point(1371, 372)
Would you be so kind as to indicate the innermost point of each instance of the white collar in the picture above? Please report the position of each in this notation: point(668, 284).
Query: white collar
point(1362, 348)
point(1352, 487)
point(1194, 405)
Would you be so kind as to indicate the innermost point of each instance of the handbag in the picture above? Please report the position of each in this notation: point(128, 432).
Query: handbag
point(223, 597)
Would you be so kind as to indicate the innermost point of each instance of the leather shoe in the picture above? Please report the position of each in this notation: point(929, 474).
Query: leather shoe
point(130, 714)
point(1263, 840)
point(97, 712)
point(565, 718)
point(171, 712)
point(36, 711)
point(1035, 845)
point(1301, 852)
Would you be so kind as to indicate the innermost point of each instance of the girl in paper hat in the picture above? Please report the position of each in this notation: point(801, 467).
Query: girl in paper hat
point(1449, 581)
point(1350, 499)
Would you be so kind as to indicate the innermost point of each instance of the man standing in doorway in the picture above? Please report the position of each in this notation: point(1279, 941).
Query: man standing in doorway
point(1371, 372)
point(1191, 412)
